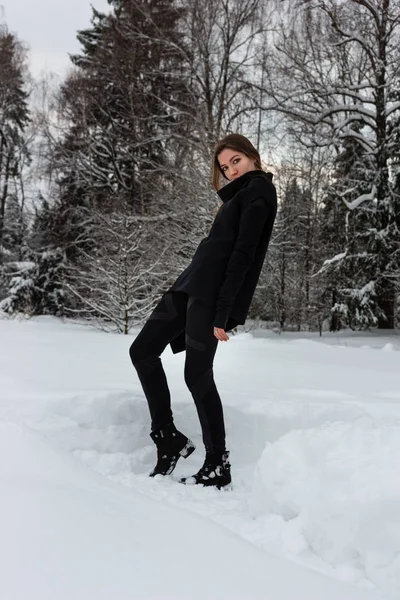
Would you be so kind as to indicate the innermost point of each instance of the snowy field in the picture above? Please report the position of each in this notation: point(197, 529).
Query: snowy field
point(313, 428)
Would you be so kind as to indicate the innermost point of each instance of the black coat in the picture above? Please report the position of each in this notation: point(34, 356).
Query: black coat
point(226, 266)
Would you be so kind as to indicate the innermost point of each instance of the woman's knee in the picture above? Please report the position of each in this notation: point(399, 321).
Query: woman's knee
point(198, 380)
point(144, 362)
point(144, 349)
point(136, 352)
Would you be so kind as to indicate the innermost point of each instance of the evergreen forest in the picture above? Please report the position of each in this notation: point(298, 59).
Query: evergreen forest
point(105, 176)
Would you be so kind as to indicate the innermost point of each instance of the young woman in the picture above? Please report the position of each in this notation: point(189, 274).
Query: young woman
point(210, 297)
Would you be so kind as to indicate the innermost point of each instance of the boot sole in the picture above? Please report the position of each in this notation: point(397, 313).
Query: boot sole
point(222, 488)
point(191, 480)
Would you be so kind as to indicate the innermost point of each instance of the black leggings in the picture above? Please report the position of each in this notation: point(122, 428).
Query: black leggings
point(176, 312)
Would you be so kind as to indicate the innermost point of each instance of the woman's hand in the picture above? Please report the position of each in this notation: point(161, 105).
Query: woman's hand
point(221, 334)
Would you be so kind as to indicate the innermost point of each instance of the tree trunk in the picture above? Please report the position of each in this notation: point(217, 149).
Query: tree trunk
point(335, 320)
point(387, 302)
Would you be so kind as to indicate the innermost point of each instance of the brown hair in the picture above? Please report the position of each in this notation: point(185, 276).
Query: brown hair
point(233, 141)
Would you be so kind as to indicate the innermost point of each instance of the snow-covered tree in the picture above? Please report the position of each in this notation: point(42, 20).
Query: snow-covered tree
point(14, 117)
point(113, 280)
point(330, 73)
point(293, 252)
point(222, 40)
point(35, 285)
point(342, 234)
point(153, 86)
point(120, 123)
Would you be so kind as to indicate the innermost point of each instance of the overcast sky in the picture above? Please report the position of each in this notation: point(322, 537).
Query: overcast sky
point(49, 28)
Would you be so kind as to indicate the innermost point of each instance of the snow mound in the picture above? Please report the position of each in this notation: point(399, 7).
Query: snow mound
point(68, 532)
point(389, 347)
point(339, 487)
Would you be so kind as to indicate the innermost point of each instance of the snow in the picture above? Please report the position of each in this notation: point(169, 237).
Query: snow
point(313, 427)
point(362, 198)
point(336, 258)
point(335, 482)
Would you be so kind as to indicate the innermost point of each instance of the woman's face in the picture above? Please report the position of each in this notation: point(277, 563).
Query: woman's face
point(234, 164)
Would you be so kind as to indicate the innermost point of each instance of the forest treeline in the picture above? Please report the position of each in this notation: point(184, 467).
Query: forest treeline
point(105, 179)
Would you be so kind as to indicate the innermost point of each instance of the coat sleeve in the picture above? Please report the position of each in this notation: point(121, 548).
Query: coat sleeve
point(251, 225)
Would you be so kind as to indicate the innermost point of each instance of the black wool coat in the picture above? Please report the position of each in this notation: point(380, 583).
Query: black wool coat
point(226, 266)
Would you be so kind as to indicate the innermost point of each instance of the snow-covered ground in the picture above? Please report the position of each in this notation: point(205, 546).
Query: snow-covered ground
point(314, 431)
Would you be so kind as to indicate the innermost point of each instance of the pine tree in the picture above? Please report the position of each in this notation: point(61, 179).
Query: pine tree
point(117, 159)
point(294, 256)
point(14, 117)
point(331, 69)
point(126, 103)
point(343, 241)
point(35, 286)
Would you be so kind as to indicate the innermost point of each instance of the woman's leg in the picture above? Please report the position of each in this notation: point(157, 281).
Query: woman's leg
point(201, 345)
point(164, 324)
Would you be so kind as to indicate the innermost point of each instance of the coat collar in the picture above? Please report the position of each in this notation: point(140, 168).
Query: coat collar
point(230, 189)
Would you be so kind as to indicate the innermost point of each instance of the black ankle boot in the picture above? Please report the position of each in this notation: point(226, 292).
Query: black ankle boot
point(171, 445)
point(216, 471)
